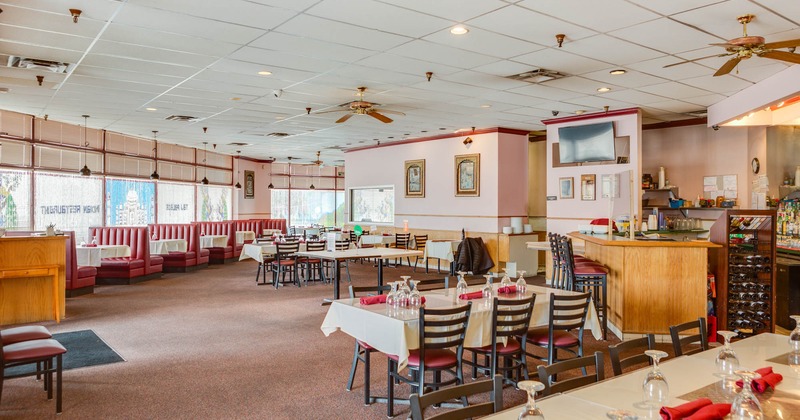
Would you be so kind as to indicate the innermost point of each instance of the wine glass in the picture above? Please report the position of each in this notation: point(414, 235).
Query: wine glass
point(487, 291)
point(94, 240)
point(414, 299)
point(794, 362)
point(405, 291)
point(506, 280)
point(522, 285)
point(531, 411)
point(746, 406)
point(727, 362)
point(620, 414)
point(655, 387)
point(391, 298)
point(462, 287)
point(794, 337)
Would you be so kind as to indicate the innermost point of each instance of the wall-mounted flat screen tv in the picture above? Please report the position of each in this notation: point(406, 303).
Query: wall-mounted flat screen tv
point(586, 143)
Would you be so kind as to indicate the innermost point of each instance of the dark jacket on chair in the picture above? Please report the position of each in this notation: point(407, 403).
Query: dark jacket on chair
point(473, 256)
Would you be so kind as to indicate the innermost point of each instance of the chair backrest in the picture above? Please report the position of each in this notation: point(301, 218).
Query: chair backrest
point(136, 237)
point(511, 318)
point(442, 329)
point(353, 237)
point(473, 280)
point(566, 280)
point(553, 238)
point(315, 246)
point(568, 312)
point(433, 284)
point(272, 224)
point(356, 291)
point(636, 347)
point(679, 343)
point(401, 240)
point(284, 250)
point(495, 404)
point(186, 231)
point(548, 373)
point(342, 245)
point(420, 241)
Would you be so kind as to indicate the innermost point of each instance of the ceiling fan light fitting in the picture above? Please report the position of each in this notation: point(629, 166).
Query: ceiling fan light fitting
point(75, 13)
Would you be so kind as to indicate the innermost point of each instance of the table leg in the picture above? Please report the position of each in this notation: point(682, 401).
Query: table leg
point(380, 272)
point(337, 274)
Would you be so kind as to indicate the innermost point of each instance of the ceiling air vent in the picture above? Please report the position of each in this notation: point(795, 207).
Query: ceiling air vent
point(238, 144)
point(537, 76)
point(184, 118)
point(37, 63)
point(278, 134)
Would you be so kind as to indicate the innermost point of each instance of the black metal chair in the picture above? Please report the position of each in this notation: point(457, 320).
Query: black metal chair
point(363, 350)
point(495, 404)
point(585, 275)
point(285, 262)
point(420, 241)
point(310, 265)
point(440, 330)
point(547, 374)
point(635, 348)
point(45, 354)
point(679, 345)
point(510, 320)
point(402, 241)
point(329, 265)
point(567, 314)
point(432, 284)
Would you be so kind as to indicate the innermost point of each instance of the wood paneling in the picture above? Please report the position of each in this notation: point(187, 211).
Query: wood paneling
point(30, 298)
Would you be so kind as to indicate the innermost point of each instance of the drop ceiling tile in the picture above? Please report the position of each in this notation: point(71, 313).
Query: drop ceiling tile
point(112, 63)
point(44, 38)
point(755, 73)
point(579, 84)
point(674, 106)
point(718, 84)
point(126, 75)
point(249, 69)
point(44, 53)
point(528, 25)
point(612, 50)
point(634, 97)
point(408, 65)
point(341, 33)
point(485, 42)
point(596, 103)
point(307, 47)
point(155, 55)
point(503, 68)
point(441, 54)
point(484, 80)
point(601, 16)
point(268, 59)
point(80, 80)
point(547, 92)
point(655, 67)
point(720, 19)
point(673, 6)
point(154, 38)
point(234, 79)
point(56, 22)
point(674, 89)
point(380, 16)
point(353, 76)
point(705, 100)
point(562, 61)
point(239, 12)
point(665, 35)
point(631, 79)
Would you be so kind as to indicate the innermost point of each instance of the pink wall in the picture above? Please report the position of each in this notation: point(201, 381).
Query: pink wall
point(440, 209)
point(259, 206)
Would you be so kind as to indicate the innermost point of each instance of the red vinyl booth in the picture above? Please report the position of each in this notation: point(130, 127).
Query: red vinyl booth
point(177, 261)
point(139, 266)
point(79, 280)
point(218, 255)
point(272, 224)
point(251, 225)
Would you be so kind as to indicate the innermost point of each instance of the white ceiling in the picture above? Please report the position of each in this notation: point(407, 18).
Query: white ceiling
point(192, 57)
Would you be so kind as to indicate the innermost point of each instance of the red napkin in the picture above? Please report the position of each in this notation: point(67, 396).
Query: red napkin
point(711, 412)
point(91, 245)
point(507, 289)
point(471, 295)
point(683, 410)
point(371, 300)
point(768, 379)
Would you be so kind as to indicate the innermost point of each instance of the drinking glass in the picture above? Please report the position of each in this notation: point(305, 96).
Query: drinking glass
point(506, 280)
point(746, 406)
point(405, 291)
point(522, 285)
point(620, 414)
point(794, 337)
point(655, 387)
point(531, 411)
point(727, 362)
point(391, 298)
point(487, 291)
point(794, 362)
point(94, 240)
point(462, 287)
point(414, 299)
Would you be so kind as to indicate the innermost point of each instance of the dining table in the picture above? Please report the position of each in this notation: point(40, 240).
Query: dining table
point(442, 249)
point(395, 331)
point(689, 378)
point(243, 236)
point(213, 241)
point(92, 255)
point(165, 246)
point(384, 240)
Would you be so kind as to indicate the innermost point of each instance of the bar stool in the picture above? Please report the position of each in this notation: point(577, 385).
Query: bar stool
point(586, 276)
point(559, 280)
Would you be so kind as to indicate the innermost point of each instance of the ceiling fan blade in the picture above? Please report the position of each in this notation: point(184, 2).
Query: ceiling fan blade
point(728, 66)
point(782, 55)
point(343, 119)
point(782, 44)
point(696, 59)
point(334, 110)
point(380, 117)
point(388, 111)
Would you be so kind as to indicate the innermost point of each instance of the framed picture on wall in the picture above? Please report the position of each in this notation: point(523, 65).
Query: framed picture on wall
point(468, 175)
point(249, 184)
point(588, 187)
point(565, 188)
point(415, 178)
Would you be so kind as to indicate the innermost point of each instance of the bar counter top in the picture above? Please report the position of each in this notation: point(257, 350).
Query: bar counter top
point(613, 240)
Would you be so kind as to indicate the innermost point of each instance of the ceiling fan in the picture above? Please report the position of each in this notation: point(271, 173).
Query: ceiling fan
point(746, 46)
point(317, 162)
point(362, 107)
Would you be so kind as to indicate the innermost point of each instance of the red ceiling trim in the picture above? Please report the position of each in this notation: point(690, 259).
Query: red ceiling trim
point(585, 117)
point(499, 130)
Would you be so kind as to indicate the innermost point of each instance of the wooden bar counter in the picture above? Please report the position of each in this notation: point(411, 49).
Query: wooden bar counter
point(32, 279)
point(651, 284)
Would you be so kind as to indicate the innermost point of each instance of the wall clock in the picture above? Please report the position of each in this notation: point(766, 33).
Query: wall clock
point(755, 165)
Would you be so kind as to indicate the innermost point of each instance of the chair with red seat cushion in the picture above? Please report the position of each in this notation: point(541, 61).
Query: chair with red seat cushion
point(567, 313)
point(311, 265)
point(493, 386)
point(440, 330)
point(363, 350)
point(42, 353)
point(285, 262)
point(634, 349)
point(26, 333)
point(511, 319)
point(586, 276)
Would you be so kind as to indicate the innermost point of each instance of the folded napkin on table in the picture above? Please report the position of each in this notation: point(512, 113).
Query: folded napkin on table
point(91, 245)
point(768, 379)
point(683, 410)
point(471, 295)
point(507, 289)
point(371, 300)
point(711, 412)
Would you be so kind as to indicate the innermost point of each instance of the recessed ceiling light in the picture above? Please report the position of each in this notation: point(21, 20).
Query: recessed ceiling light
point(486, 106)
point(236, 98)
point(424, 131)
point(265, 73)
point(4, 90)
point(580, 112)
point(603, 89)
point(279, 117)
point(152, 109)
point(458, 30)
point(617, 72)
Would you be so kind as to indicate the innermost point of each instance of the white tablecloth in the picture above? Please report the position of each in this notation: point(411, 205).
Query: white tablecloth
point(259, 251)
point(213, 241)
point(270, 232)
point(376, 240)
point(164, 246)
point(245, 235)
point(92, 256)
point(444, 250)
point(397, 333)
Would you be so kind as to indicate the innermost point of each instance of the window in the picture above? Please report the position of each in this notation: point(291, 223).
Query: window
point(213, 203)
point(15, 200)
point(130, 202)
point(69, 202)
point(175, 203)
point(373, 205)
point(308, 207)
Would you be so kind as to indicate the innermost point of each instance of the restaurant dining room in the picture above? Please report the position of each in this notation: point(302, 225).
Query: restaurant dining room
point(312, 209)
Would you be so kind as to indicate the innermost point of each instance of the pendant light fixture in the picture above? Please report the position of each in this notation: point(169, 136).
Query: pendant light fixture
point(155, 175)
point(238, 164)
point(204, 181)
point(85, 171)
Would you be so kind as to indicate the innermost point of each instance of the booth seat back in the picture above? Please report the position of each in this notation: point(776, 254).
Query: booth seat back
point(185, 231)
point(251, 225)
point(273, 224)
point(72, 273)
point(136, 237)
point(227, 228)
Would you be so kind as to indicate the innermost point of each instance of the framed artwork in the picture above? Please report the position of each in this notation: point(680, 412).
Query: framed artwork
point(249, 184)
point(588, 187)
point(565, 188)
point(415, 178)
point(468, 175)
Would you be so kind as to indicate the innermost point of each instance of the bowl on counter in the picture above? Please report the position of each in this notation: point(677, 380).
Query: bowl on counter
point(675, 204)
